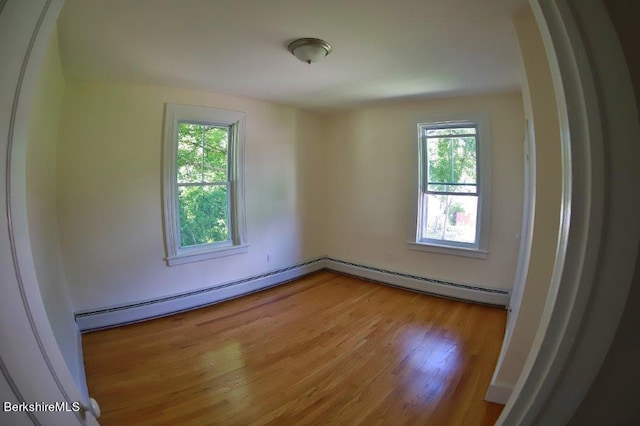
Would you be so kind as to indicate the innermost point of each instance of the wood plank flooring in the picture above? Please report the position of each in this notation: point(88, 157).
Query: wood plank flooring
point(325, 349)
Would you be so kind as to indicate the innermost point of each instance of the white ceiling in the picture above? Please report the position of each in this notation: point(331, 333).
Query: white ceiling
point(382, 49)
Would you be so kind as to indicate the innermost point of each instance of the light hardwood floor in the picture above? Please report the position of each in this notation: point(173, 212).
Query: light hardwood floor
point(325, 349)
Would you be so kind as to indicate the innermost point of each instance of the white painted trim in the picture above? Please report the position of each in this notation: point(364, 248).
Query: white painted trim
point(467, 292)
point(82, 375)
point(198, 256)
point(442, 249)
point(30, 358)
point(528, 217)
point(498, 393)
point(484, 180)
point(14, 418)
point(173, 114)
point(154, 308)
point(600, 232)
point(526, 233)
point(148, 309)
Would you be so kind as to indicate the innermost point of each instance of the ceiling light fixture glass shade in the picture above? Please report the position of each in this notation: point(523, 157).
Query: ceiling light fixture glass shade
point(309, 50)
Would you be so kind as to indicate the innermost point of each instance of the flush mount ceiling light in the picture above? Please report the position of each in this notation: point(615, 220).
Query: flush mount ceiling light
point(309, 50)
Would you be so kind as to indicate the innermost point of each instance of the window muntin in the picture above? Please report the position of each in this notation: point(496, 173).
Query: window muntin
point(203, 183)
point(454, 187)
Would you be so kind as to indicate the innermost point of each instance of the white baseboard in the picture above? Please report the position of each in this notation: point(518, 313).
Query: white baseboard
point(498, 393)
point(468, 292)
point(125, 314)
point(82, 376)
point(135, 312)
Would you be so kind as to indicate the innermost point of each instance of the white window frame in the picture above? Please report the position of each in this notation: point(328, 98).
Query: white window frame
point(479, 249)
point(235, 121)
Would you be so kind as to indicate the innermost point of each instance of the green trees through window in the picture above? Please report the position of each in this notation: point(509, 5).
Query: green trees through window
point(450, 192)
point(203, 183)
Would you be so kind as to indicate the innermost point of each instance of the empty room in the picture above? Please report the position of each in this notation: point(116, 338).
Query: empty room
point(286, 212)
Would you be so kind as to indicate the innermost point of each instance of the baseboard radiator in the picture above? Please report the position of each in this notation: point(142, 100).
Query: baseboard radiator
point(96, 319)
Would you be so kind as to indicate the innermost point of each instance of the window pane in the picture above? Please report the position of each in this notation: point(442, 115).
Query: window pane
point(204, 214)
point(190, 152)
point(450, 217)
point(216, 141)
point(202, 153)
point(452, 160)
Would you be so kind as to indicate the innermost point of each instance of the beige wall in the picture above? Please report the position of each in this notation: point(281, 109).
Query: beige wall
point(109, 189)
point(372, 182)
point(543, 118)
point(340, 185)
point(41, 209)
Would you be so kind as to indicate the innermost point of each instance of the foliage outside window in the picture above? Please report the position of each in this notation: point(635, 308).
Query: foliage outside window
point(453, 197)
point(202, 185)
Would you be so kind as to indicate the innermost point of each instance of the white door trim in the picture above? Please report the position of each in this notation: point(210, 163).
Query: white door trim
point(599, 233)
point(30, 358)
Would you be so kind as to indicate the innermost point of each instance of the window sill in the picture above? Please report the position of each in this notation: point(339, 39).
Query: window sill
point(452, 250)
point(201, 255)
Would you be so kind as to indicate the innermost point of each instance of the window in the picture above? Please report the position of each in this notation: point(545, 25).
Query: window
point(203, 191)
point(454, 187)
